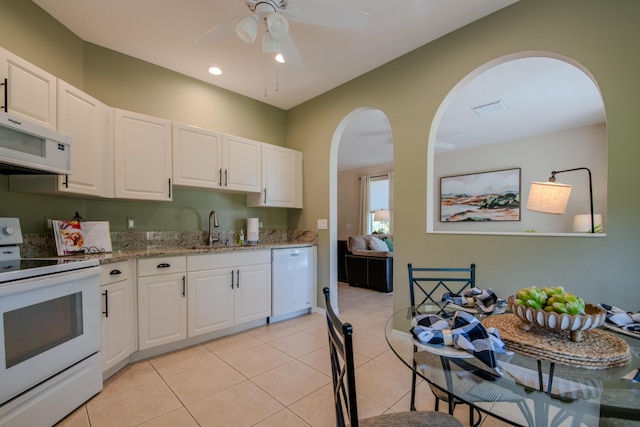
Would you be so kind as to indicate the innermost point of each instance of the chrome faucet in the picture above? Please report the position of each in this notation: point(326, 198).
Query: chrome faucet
point(212, 239)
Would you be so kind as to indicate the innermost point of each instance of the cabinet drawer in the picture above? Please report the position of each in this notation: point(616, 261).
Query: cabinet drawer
point(231, 259)
point(161, 265)
point(116, 272)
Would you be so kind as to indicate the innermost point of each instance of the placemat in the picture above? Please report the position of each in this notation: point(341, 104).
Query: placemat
point(598, 349)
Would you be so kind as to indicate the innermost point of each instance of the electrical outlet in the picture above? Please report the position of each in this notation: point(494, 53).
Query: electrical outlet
point(48, 222)
point(131, 223)
point(322, 224)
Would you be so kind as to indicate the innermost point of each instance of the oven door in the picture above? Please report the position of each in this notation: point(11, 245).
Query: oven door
point(47, 324)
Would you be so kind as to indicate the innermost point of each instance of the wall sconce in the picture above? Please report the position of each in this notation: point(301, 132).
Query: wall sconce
point(552, 197)
point(382, 215)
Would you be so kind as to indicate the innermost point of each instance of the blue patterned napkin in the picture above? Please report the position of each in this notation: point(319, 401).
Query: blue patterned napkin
point(626, 320)
point(485, 300)
point(466, 333)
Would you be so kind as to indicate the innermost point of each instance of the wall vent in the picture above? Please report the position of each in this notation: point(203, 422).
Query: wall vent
point(492, 107)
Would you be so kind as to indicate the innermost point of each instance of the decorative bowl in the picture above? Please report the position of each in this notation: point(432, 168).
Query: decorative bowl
point(593, 317)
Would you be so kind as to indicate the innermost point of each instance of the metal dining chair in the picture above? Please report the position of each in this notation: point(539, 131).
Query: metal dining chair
point(427, 281)
point(344, 384)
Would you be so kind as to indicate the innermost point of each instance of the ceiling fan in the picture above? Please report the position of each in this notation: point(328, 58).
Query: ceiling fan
point(274, 15)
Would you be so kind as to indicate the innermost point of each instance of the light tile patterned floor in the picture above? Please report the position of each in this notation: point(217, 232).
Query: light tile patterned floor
point(274, 375)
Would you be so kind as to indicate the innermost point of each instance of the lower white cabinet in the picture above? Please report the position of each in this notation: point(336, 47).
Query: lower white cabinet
point(118, 314)
point(162, 301)
point(183, 297)
point(227, 290)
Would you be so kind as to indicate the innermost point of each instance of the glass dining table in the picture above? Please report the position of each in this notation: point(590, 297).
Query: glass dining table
point(525, 389)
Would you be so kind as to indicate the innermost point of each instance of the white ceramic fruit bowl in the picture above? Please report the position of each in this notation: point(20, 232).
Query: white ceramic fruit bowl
point(593, 317)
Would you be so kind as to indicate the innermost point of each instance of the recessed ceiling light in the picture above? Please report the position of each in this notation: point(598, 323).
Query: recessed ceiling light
point(280, 58)
point(215, 71)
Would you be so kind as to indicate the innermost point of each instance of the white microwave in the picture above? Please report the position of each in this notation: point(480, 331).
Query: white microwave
point(27, 148)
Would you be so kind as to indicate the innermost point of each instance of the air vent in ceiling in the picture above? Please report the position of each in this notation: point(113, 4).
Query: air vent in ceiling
point(492, 107)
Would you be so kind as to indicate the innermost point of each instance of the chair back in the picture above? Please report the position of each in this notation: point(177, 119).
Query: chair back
point(342, 366)
point(429, 279)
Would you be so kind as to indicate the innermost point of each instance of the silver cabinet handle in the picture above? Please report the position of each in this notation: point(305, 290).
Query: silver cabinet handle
point(238, 281)
point(184, 286)
point(231, 279)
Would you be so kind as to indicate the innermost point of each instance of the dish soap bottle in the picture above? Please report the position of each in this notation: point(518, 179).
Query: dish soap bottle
point(241, 237)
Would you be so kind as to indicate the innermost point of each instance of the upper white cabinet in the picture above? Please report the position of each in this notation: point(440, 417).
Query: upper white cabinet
point(142, 156)
point(241, 164)
point(281, 178)
point(197, 156)
point(89, 122)
point(30, 92)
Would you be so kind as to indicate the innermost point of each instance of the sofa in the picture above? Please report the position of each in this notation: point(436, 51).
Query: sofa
point(369, 262)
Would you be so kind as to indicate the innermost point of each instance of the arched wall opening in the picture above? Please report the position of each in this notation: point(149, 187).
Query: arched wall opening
point(526, 139)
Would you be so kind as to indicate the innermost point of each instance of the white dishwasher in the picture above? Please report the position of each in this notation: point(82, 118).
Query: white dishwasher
point(293, 281)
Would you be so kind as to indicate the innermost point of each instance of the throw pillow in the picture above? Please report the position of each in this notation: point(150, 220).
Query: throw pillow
point(389, 243)
point(377, 245)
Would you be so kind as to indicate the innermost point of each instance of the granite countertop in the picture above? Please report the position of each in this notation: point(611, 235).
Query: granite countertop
point(127, 254)
point(133, 245)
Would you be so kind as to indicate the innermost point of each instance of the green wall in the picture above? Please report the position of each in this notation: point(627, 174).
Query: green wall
point(602, 36)
point(125, 82)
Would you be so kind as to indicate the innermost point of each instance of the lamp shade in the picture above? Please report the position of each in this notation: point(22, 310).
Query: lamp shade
point(382, 215)
point(247, 28)
point(582, 222)
point(277, 25)
point(548, 197)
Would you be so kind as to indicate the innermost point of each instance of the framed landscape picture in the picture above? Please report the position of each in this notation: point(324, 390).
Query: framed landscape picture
point(480, 197)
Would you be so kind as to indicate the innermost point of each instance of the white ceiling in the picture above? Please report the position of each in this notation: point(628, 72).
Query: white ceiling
point(542, 97)
point(164, 32)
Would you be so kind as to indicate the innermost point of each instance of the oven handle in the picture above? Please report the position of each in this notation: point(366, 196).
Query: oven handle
point(106, 304)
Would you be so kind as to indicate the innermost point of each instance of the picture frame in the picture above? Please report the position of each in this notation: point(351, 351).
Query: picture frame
point(491, 196)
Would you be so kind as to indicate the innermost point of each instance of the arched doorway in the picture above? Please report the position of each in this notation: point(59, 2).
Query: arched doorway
point(363, 127)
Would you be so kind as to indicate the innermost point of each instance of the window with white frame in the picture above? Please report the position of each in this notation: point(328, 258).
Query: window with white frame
point(379, 212)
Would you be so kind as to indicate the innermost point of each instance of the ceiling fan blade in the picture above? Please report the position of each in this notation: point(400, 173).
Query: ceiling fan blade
point(218, 33)
point(326, 15)
point(290, 53)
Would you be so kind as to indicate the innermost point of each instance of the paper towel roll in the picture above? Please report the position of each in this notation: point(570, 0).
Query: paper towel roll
point(253, 230)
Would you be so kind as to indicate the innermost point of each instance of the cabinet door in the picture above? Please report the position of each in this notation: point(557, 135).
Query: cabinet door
point(281, 178)
point(89, 122)
point(197, 156)
point(241, 164)
point(210, 301)
point(162, 310)
point(142, 156)
point(31, 92)
point(117, 323)
point(252, 293)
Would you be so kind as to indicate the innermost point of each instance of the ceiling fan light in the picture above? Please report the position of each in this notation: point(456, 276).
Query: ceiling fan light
point(277, 25)
point(247, 28)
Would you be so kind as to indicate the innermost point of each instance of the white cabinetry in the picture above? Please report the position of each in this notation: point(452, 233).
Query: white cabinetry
point(118, 315)
point(142, 156)
point(30, 91)
point(228, 289)
point(241, 164)
point(162, 301)
point(89, 122)
point(281, 178)
point(197, 156)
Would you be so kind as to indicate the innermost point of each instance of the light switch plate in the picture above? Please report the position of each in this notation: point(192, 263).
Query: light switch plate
point(322, 224)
